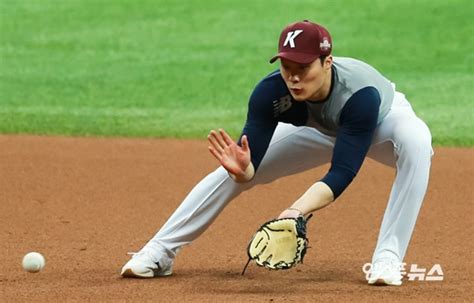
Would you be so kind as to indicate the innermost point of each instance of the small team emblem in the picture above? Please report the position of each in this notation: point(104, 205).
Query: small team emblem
point(325, 45)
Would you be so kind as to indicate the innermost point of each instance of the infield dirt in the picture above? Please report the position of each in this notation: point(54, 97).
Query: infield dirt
point(85, 202)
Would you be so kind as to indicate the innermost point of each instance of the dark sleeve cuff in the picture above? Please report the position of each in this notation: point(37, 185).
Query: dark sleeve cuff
point(338, 179)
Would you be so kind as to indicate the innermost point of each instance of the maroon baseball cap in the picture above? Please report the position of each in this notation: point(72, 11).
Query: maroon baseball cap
point(303, 42)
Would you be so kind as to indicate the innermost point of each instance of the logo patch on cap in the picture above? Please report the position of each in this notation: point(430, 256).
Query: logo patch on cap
point(325, 45)
point(290, 37)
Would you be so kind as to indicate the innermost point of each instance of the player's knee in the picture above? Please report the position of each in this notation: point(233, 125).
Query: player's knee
point(415, 138)
point(422, 137)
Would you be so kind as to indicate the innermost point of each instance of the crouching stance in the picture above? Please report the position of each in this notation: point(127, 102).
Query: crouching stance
point(315, 109)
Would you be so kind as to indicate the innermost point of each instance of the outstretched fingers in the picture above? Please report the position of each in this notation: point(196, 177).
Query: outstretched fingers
point(216, 154)
point(227, 139)
point(213, 140)
point(218, 139)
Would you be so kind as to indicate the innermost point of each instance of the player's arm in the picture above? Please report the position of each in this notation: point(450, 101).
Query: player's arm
point(358, 122)
point(236, 157)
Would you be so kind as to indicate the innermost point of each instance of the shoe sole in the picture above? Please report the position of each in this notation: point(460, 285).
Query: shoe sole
point(383, 282)
point(129, 273)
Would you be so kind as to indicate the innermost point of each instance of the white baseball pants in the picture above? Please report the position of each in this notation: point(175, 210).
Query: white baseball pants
point(401, 140)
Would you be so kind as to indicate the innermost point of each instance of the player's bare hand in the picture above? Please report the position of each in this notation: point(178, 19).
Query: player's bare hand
point(234, 158)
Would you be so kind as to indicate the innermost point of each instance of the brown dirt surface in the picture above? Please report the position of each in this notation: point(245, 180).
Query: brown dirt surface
point(85, 202)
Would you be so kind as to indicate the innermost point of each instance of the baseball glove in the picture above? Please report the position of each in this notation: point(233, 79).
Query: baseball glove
point(279, 243)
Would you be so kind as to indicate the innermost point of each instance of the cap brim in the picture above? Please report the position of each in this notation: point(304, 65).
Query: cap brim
point(295, 57)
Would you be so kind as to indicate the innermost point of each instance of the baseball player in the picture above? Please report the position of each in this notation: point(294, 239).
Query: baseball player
point(313, 110)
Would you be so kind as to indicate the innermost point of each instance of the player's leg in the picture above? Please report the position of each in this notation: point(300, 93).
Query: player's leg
point(292, 150)
point(404, 141)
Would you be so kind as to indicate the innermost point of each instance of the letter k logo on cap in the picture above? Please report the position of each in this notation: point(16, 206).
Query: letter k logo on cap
point(290, 37)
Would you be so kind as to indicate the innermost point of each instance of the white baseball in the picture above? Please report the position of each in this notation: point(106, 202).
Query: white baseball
point(33, 262)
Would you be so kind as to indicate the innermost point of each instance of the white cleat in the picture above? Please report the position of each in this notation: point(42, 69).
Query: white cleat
point(385, 272)
point(142, 266)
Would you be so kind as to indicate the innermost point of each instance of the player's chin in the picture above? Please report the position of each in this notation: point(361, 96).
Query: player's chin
point(299, 97)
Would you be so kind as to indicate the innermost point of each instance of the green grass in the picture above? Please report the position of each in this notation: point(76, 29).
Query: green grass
point(180, 68)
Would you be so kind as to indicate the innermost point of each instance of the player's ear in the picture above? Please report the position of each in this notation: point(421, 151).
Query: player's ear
point(327, 62)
